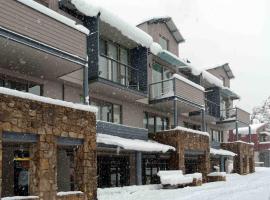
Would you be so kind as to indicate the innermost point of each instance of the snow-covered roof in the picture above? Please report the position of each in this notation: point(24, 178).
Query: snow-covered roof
point(92, 9)
point(245, 130)
point(265, 133)
point(51, 13)
point(169, 23)
point(24, 95)
point(221, 152)
point(133, 144)
point(226, 68)
point(180, 128)
point(177, 76)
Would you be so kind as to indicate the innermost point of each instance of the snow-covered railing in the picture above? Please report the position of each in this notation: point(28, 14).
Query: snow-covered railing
point(177, 86)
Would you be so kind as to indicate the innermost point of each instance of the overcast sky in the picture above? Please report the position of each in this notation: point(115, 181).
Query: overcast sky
point(216, 32)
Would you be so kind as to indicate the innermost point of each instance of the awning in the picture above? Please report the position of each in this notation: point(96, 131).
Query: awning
point(133, 144)
point(222, 152)
point(229, 93)
point(171, 58)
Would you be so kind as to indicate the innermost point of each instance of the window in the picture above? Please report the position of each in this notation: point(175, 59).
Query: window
point(114, 63)
point(155, 123)
point(108, 112)
point(164, 43)
point(216, 136)
point(66, 169)
point(22, 85)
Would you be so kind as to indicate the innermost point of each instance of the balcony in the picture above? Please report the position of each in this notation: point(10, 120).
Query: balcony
point(189, 95)
point(119, 79)
point(39, 42)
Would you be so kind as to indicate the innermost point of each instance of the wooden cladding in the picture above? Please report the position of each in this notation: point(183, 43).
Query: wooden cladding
point(243, 116)
point(31, 23)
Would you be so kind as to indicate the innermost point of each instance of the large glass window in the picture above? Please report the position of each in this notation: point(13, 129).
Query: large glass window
point(108, 112)
point(114, 63)
point(23, 86)
point(155, 123)
point(192, 126)
point(217, 136)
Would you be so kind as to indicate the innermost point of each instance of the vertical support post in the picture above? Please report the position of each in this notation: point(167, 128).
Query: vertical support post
point(1, 162)
point(138, 168)
point(175, 111)
point(203, 120)
point(85, 85)
point(236, 129)
point(249, 133)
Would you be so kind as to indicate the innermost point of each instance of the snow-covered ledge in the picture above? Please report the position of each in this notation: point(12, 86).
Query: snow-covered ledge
point(214, 174)
point(24, 95)
point(61, 194)
point(20, 198)
point(180, 128)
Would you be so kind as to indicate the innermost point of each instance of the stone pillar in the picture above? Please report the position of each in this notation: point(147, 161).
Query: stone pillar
point(86, 169)
point(46, 167)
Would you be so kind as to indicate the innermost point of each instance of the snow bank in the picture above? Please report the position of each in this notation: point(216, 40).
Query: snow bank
point(245, 130)
point(51, 13)
point(223, 174)
point(180, 128)
point(174, 177)
point(197, 176)
point(69, 193)
point(179, 77)
point(92, 9)
point(20, 197)
point(221, 152)
point(133, 144)
point(47, 100)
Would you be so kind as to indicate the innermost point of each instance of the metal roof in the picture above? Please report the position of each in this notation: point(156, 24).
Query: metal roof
point(170, 24)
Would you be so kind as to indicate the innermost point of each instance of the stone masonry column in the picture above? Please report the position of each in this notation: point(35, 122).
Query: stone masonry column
point(46, 167)
point(86, 172)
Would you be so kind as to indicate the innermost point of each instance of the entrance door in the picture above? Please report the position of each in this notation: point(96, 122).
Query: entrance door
point(21, 173)
point(113, 171)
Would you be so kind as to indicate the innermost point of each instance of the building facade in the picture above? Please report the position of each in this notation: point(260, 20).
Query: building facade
point(134, 76)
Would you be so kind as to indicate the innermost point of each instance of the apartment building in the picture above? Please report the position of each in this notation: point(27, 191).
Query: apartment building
point(73, 51)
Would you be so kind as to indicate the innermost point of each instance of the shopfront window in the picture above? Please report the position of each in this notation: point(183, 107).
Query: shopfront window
point(155, 123)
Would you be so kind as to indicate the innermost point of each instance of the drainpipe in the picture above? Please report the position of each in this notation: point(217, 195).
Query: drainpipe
point(175, 110)
point(85, 84)
point(139, 168)
point(249, 133)
point(203, 120)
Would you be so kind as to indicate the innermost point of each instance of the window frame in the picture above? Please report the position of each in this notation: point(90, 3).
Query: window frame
point(161, 37)
point(164, 119)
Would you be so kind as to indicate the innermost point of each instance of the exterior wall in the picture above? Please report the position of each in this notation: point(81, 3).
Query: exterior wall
point(40, 27)
point(72, 197)
point(160, 29)
point(244, 161)
point(49, 122)
point(219, 72)
point(185, 141)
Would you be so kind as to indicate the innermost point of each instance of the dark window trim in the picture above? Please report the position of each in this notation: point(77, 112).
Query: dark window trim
point(150, 114)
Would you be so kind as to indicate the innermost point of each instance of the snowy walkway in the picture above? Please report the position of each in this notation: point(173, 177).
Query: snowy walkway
point(250, 187)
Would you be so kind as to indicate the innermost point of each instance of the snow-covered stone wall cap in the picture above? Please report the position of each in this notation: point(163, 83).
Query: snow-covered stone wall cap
point(222, 152)
point(51, 13)
point(222, 174)
point(61, 194)
point(24, 95)
point(180, 128)
point(20, 198)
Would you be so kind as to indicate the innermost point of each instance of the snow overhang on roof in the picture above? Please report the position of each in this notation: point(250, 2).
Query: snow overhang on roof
point(222, 152)
point(170, 24)
point(133, 144)
point(265, 133)
point(227, 70)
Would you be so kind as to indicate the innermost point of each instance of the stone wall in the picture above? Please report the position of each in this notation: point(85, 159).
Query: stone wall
point(49, 123)
point(72, 197)
point(244, 161)
point(186, 141)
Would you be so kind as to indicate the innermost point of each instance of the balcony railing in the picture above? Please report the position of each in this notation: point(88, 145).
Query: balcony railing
point(120, 73)
point(231, 114)
point(176, 88)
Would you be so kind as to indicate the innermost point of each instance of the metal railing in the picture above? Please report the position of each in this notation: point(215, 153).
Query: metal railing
point(117, 72)
point(212, 108)
point(162, 89)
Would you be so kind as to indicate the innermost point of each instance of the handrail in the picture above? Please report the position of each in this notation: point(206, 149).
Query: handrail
point(118, 62)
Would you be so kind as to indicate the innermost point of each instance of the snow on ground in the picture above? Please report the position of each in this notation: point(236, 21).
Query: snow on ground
point(254, 186)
